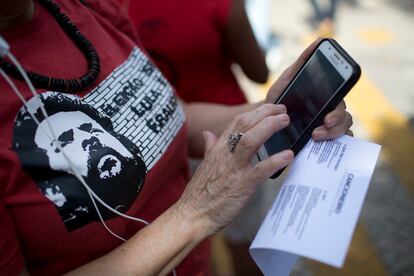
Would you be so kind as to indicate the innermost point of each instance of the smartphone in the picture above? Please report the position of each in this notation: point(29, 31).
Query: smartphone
point(317, 88)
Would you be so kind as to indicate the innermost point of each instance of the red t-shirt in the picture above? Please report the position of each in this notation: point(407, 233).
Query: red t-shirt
point(126, 135)
point(185, 39)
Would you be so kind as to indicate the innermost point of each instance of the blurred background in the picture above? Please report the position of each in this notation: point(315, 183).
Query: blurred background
point(379, 35)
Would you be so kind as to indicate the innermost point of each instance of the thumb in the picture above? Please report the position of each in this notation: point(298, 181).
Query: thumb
point(210, 140)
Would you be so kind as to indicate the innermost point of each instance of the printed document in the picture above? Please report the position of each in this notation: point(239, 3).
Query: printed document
point(317, 208)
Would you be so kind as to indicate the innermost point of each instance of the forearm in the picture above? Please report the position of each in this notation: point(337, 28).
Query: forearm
point(212, 117)
point(177, 259)
point(153, 248)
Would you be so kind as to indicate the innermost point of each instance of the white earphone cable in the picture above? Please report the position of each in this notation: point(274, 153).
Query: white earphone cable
point(75, 171)
point(69, 161)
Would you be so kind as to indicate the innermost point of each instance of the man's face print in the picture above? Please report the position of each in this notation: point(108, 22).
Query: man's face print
point(112, 168)
point(114, 135)
point(86, 141)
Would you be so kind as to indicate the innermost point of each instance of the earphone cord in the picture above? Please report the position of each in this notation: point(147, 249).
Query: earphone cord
point(75, 171)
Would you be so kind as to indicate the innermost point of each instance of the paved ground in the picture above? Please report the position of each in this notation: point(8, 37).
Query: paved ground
point(379, 34)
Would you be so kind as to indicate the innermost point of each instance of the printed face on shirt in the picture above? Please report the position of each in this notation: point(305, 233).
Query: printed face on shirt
point(114, 135)
point(84, 140)
point(112, 168)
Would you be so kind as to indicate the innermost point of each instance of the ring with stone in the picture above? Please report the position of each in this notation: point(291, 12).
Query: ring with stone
point(233, 140)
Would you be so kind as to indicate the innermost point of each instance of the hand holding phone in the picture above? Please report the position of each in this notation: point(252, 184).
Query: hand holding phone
point(317, 88)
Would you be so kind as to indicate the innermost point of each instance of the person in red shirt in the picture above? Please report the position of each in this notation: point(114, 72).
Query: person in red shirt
point(195, 44)
point(109, 161)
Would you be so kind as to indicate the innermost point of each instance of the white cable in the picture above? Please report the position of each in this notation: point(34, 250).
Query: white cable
point(77, 175)
point(91, 193)
point(102, 220)
point(70, 163)
point(16, 91)
point(13, 86)
point(32, 89)
point(4, 46)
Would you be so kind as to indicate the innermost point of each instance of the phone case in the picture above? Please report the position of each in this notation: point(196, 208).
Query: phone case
point(300, 143)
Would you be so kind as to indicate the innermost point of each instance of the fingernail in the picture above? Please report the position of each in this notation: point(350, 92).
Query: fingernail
point(285, 118)
point(318, 134)
point(287, 155)
point(283, 108)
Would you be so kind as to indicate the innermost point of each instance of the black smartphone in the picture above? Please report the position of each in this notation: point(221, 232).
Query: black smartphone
point(318, 87)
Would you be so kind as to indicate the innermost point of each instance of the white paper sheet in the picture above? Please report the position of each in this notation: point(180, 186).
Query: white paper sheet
point(317, 208)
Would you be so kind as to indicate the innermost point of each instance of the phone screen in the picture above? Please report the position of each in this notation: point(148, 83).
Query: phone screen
point(304, 99)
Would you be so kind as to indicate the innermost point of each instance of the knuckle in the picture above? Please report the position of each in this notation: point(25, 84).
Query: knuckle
point(243, 123)
point(236, 119)
point(247, 142)
point(337, 112)
point(338, 115)
point(274, 109)
point(263, 108)
point(337, 119)
point(268, 106)
point(280, 108)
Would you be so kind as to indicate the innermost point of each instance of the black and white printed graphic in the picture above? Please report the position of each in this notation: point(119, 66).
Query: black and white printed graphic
point(141, 105)
point(113, 135)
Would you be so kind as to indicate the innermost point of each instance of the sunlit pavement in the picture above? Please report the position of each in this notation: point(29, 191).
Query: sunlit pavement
point(379, 34)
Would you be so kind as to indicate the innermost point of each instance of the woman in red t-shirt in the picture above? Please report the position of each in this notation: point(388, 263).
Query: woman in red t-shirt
point(114, 131)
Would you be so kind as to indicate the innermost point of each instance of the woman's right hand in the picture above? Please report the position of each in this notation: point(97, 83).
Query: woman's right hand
point(224, 181)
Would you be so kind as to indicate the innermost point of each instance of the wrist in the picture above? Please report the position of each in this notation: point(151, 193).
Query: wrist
point(198, 224)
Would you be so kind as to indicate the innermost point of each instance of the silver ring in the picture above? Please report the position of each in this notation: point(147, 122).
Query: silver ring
point(234, 139)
